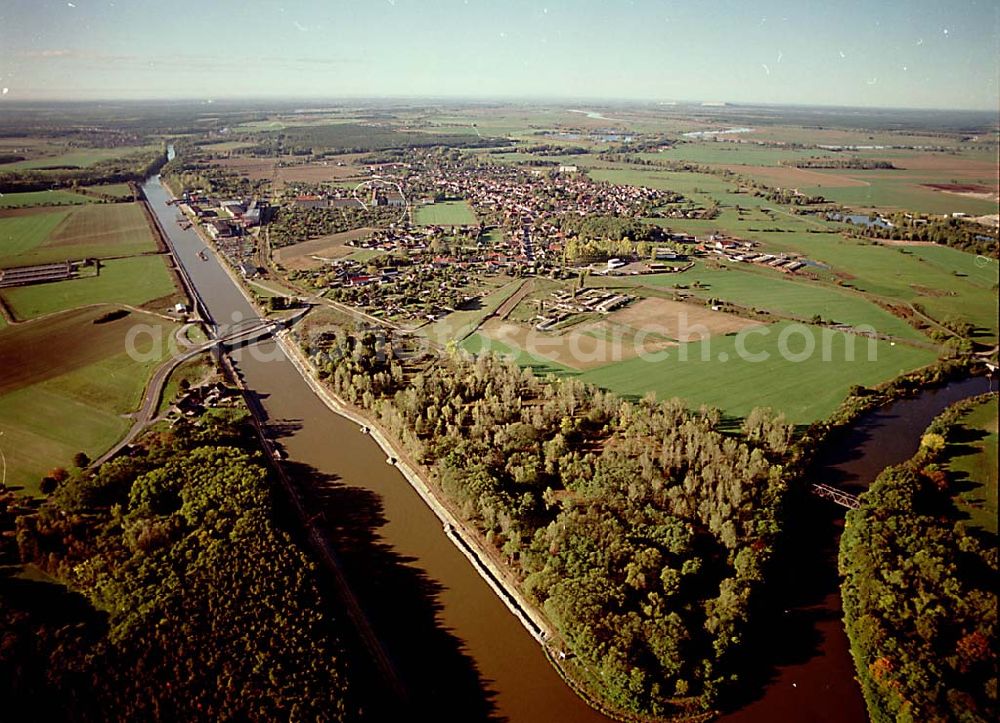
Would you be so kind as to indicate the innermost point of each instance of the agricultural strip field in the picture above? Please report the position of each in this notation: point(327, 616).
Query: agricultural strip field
point(715, 374)
point(94, 231)
point(67, 382)
point(776, 293)
point(43, 198)
point(135, 281)
point(446, 213)
point(974, 465)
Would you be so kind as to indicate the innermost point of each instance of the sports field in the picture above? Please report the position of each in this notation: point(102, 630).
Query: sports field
point(446, 213)
point(42, 198)
point(98, 230)
point(67, 382)
point(135, 281)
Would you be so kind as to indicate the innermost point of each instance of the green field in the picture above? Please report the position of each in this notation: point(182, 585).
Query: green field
point(42, 198)
point(805, 390)
point(944, 281)
point(80, 158)
point(99, 230)
point(135, 281)
point(975, 465)
point(113, 190)
point(778, 293)
point(446, 213)
point(69, 383)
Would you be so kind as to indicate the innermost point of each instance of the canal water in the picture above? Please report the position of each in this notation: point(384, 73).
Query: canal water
point(459, 651)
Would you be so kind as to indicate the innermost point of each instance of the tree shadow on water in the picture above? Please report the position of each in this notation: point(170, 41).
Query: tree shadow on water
point(797, 600)
point(401, 604)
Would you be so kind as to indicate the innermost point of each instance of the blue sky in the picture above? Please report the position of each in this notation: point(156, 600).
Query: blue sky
point(920, 53)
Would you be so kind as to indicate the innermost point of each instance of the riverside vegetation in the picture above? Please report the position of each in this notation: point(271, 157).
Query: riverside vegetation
point(919, 592)
point(640, 528)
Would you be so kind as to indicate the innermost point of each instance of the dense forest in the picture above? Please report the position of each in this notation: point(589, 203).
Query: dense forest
point(919, 594)
point(638, 527)
point(180, 597)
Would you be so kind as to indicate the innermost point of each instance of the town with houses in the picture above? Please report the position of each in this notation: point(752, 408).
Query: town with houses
point(414, 273)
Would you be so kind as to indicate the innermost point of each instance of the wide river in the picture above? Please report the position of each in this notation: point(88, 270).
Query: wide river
point(461, 654)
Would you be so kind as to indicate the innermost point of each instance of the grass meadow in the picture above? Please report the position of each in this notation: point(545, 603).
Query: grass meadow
point(68, 384)
point(446, 213)
point(136, 281)
point(976, 466)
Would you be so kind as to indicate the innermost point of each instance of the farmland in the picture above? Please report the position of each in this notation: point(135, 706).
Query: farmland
point(99, 230)
point(714, 371)
point(136, 281)
point(77, 158)
point(446, 213)
point(42, 198)
point(67, 382)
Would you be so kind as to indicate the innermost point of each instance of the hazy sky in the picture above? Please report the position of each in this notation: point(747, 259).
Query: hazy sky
point(919, 53)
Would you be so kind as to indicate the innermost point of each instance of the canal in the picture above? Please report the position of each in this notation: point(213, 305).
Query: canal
point(460, 652)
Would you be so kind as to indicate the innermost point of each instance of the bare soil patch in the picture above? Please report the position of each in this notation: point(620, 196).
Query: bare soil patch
point(310, 254)
point(680, 321)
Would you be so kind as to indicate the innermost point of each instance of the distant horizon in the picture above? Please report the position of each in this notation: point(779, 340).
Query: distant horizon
point(921, 54)
point(486, 99)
